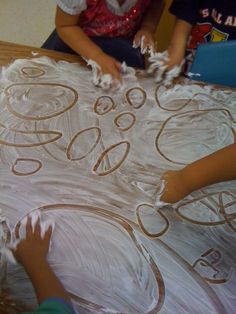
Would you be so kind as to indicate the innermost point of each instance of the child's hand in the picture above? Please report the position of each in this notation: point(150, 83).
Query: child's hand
point(145, 40)
point(175, 187)
point(108, 65)
point(175, 56)
point(33, 249)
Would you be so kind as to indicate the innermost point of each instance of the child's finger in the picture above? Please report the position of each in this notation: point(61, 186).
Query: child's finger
point(48, 234)
point(136, 41)
point(29, 228)
point(37, 228)
point(17, 230)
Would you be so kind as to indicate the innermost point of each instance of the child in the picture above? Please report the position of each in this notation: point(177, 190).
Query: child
point(32, 254)
point(197, 22)
point(106, 31)
point(217, 167)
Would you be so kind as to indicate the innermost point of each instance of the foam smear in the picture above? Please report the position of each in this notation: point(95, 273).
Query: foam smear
point(158, 203)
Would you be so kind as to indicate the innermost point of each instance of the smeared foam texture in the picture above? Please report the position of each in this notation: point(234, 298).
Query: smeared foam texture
point(113, 250)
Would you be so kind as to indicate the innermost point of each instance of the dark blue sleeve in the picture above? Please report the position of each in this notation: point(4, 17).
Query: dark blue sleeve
point(186, 10)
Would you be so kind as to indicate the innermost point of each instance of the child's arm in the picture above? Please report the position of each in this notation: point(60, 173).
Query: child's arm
point(68, 29)
point(217, 167)
point(149, 24)
point(31, 252)
point(177, 46)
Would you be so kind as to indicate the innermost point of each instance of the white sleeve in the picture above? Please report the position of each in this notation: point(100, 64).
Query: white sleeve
point(72, 7)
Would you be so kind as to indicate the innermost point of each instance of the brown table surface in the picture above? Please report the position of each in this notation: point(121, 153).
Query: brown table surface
point(11, 51)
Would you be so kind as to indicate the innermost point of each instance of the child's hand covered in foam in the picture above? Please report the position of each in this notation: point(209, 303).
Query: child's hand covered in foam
point(106, 71)
point(34, 246)
point(174, 187)
point(163, 68)
point(144, 39)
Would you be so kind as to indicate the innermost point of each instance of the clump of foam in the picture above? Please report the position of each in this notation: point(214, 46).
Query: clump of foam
point(158, 203)
point(105, 81)
point(159, 67)
point(143, 47)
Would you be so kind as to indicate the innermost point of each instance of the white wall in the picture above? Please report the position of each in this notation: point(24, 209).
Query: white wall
point(27, 22)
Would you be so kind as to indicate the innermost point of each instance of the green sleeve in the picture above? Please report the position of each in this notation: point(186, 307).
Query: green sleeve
point(53, 307)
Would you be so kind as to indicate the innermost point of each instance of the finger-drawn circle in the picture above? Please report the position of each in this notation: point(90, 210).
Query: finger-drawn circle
point(37, 97)
point(110, 150)
point(52, 137)
point(153, 218)
point(103, 105)
point(179, 131)
point(32, 72)
point(19, 163)
point(122, 124)
point(93, 131)
point(136, 97)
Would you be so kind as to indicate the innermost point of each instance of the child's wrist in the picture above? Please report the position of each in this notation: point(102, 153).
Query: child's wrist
point(97, 55)
point(148, 28)
point(34, 264)
point(187, 179)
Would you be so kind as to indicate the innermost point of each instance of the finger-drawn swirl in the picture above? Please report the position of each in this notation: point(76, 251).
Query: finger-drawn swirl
point(183, 102)
point(113, 149)
point(121, 121)
point(39, 101)
point(26, 166)
point(103, 105)
point(95, 132)
point(136, 97)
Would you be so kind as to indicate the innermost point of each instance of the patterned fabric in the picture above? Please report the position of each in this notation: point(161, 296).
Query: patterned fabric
point(212, 20)
point(105, 17)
